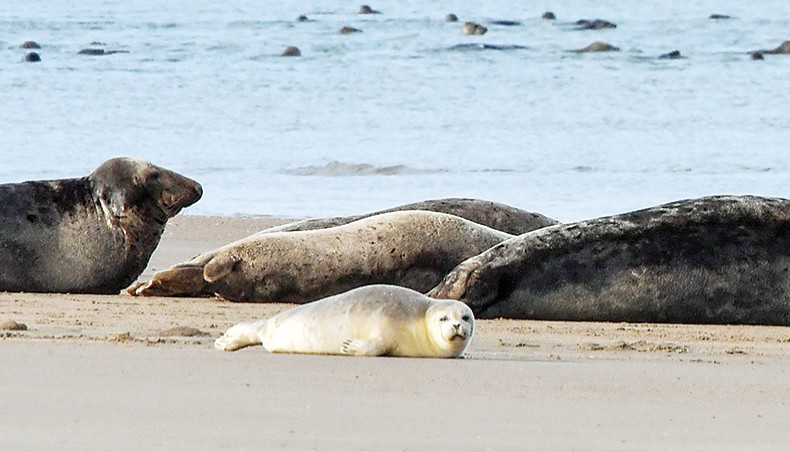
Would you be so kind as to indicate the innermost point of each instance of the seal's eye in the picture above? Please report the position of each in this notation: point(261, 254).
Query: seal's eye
point(444, 319)
point(153, 177)
point(465, 318)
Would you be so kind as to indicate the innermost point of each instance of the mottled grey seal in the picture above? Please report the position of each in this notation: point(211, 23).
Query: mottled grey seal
point(597, 46)
point(291, 51)
point(472, 28)
point(783, 49)
point(721, 259)
point(451, 18)
point(410, 248)
point(347, 30)
point(488, 213)
point(365, 9)
point(30, 45)
point(376, 320)
point(596, 24)
point(87, 235)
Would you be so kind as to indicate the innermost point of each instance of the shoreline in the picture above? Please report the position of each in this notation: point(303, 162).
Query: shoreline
point(93, 371)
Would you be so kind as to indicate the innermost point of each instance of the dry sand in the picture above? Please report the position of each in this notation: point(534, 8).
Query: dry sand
point(123, 373)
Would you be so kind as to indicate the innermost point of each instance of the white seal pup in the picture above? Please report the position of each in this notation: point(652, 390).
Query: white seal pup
point(719, 259)
point(376, 320)
point(93, 234)
point(409, 248)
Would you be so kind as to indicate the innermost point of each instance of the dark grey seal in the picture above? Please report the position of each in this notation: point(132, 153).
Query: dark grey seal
point(548, 15)
point(495, 215)
point(719, 17)
point(451, 18)
point(506, 23)
point(721, 259)
point(757, 55)
point(30, 45)
point(93, 234)
point(673, 55)
point(32, 57)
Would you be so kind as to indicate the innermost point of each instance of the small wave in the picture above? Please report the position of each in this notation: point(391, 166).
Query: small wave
point(344, 169)
point(481, 46)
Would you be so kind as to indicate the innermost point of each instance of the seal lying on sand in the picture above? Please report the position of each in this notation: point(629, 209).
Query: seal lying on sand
point(369, 321)
point(411, 248)
point(89, 235)
point(723, 259)
point(492, 214)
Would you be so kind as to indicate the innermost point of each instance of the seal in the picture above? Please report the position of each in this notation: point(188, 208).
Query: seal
point(411, 248)
point(30, 45)
point(596, 24)
point(31, 57)
point(719, 260)
point(451, 18)
point(782, 49)
point(347, 30)
point(366, 9)
point(291, 51)
point(87, 235)
point(548, 15)
point(472, 28)
point(597, 46)
point(376, 320)
point(495, 215)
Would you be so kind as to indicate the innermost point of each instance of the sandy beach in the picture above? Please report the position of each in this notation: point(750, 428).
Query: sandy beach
point(123, 373)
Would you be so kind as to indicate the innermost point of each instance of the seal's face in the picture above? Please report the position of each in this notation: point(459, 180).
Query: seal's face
point(135, 190)
point(451, 325)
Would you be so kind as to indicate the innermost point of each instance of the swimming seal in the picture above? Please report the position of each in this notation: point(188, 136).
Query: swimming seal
point(597, 46)
point(472, 28)
point(720, 259)
point(410, 248)
point(88, 235)
point(377, 320)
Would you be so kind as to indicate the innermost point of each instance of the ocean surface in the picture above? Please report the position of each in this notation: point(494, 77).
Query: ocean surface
point(400, 112)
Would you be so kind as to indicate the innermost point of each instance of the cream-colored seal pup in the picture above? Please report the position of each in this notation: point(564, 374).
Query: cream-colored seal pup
point(372, 320)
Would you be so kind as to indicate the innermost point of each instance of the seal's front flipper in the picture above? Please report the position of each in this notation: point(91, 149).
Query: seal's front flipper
point(185, 281)
point(363, 347)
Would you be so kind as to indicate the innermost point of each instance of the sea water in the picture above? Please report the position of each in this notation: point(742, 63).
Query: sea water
point(400, 112)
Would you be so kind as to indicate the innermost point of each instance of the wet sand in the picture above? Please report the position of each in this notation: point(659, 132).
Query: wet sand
point(123, 373)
